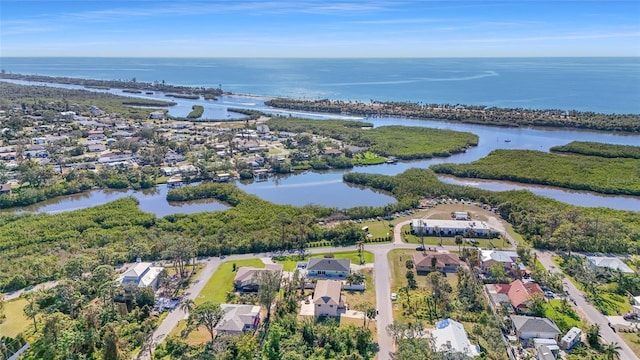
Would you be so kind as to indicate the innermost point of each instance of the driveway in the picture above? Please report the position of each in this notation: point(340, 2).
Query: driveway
point(586, 309)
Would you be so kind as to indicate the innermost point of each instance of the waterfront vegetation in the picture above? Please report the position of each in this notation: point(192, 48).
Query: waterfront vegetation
point(50, 101)
point(474, 114)
point(130, 84)
point(577, 172)
point(397, 141)
point(34, 248)
point(196, 112)
point(543, 222)
point(599, 149)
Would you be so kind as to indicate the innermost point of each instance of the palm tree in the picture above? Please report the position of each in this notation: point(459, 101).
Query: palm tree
point(611, 351)
point(360, 247)
point(459, 241)
point(187, 305)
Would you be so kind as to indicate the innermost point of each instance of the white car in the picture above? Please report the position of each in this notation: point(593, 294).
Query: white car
point(394, 296)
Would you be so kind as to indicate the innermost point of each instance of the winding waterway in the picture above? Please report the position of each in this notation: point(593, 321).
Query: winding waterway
point(326, 188)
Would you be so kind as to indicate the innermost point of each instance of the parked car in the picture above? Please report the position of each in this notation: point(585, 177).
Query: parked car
point(420, 248)
point(549, 294)
point(394, 296)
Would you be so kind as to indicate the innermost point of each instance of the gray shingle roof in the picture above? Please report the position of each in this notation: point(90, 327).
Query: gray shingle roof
point(534, 324)
point(317, 264)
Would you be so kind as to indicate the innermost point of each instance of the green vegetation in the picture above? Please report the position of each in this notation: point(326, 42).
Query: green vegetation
point(49, 101)
point(16, 322)
point(543, 222)
point(398, 141)
point(599, 149)
point(603, 175)
point(33, 248)
point(196, 112)
point(367, 158)
point(562, 314)
point(131, 85)
point(221, 282)
point(475, 114)
point(426, 299)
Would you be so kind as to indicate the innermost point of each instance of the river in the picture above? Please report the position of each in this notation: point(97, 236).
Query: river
point(326, 188)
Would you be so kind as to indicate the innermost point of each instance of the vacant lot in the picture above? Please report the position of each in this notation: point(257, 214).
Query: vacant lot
point(16, 322)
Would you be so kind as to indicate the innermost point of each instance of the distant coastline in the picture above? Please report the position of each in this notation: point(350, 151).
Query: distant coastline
point(471, 114)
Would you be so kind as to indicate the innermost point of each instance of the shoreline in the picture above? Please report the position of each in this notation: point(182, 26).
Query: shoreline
point(466, 114)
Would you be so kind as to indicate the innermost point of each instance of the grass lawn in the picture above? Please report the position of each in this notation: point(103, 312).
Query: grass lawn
point(353, 298)
point(564, 320)
point(289, 262)
point(378, 228)
point(397, 261)
point(222, 281)
point(16, 322)
point(196, 337)
point(432, 240)
point(631, 339)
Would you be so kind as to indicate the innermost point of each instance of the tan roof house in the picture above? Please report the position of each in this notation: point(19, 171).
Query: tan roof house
point(446, 263)
point(245, 279)
point(327, 299)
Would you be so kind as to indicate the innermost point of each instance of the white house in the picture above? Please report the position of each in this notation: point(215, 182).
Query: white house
point(327, 299)
point(450, 227)
point(142, 274)
point(449, 335)
point(571, 338)
point(529, 327)
point(238, 318)
point(609, 262)
point(508, 259)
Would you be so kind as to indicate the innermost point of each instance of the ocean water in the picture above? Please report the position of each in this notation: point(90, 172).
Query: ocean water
point(608, 85)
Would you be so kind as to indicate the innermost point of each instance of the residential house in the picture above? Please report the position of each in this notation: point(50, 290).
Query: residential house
point(529, 327)
point(142, 274)
point(5, 189)
point(517, 294)
point(444, 262)
point(508, 259)
point(245, 279)
point(328, 268)
point(610, 263)
point(327, 298)
point(450, 336)
point(571, 338)
point(238, 318)
point(96, 147)
point(521, 294)
point(451, 227)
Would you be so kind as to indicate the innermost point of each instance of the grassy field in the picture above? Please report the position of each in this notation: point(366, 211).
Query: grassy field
point(196, 337)
point(222, 281)
point(565, 319)
point(397, 261)
point(353, 298)
point(289, 262)
point(431, 240)
point(632, 339)
point(16, 322)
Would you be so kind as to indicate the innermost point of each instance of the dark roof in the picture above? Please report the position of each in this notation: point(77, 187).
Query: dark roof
point(329, 264)
point(534, 324)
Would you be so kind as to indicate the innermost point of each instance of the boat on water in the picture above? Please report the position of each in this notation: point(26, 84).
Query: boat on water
point(507, 140)
point(391, 160)
point(149, 93)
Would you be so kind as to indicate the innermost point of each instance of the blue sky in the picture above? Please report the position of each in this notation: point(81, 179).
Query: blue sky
point(309, 28)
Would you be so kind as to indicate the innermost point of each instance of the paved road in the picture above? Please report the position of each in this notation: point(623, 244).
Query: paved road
point(16, 294)
point(589, 311)
point(382, 282)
